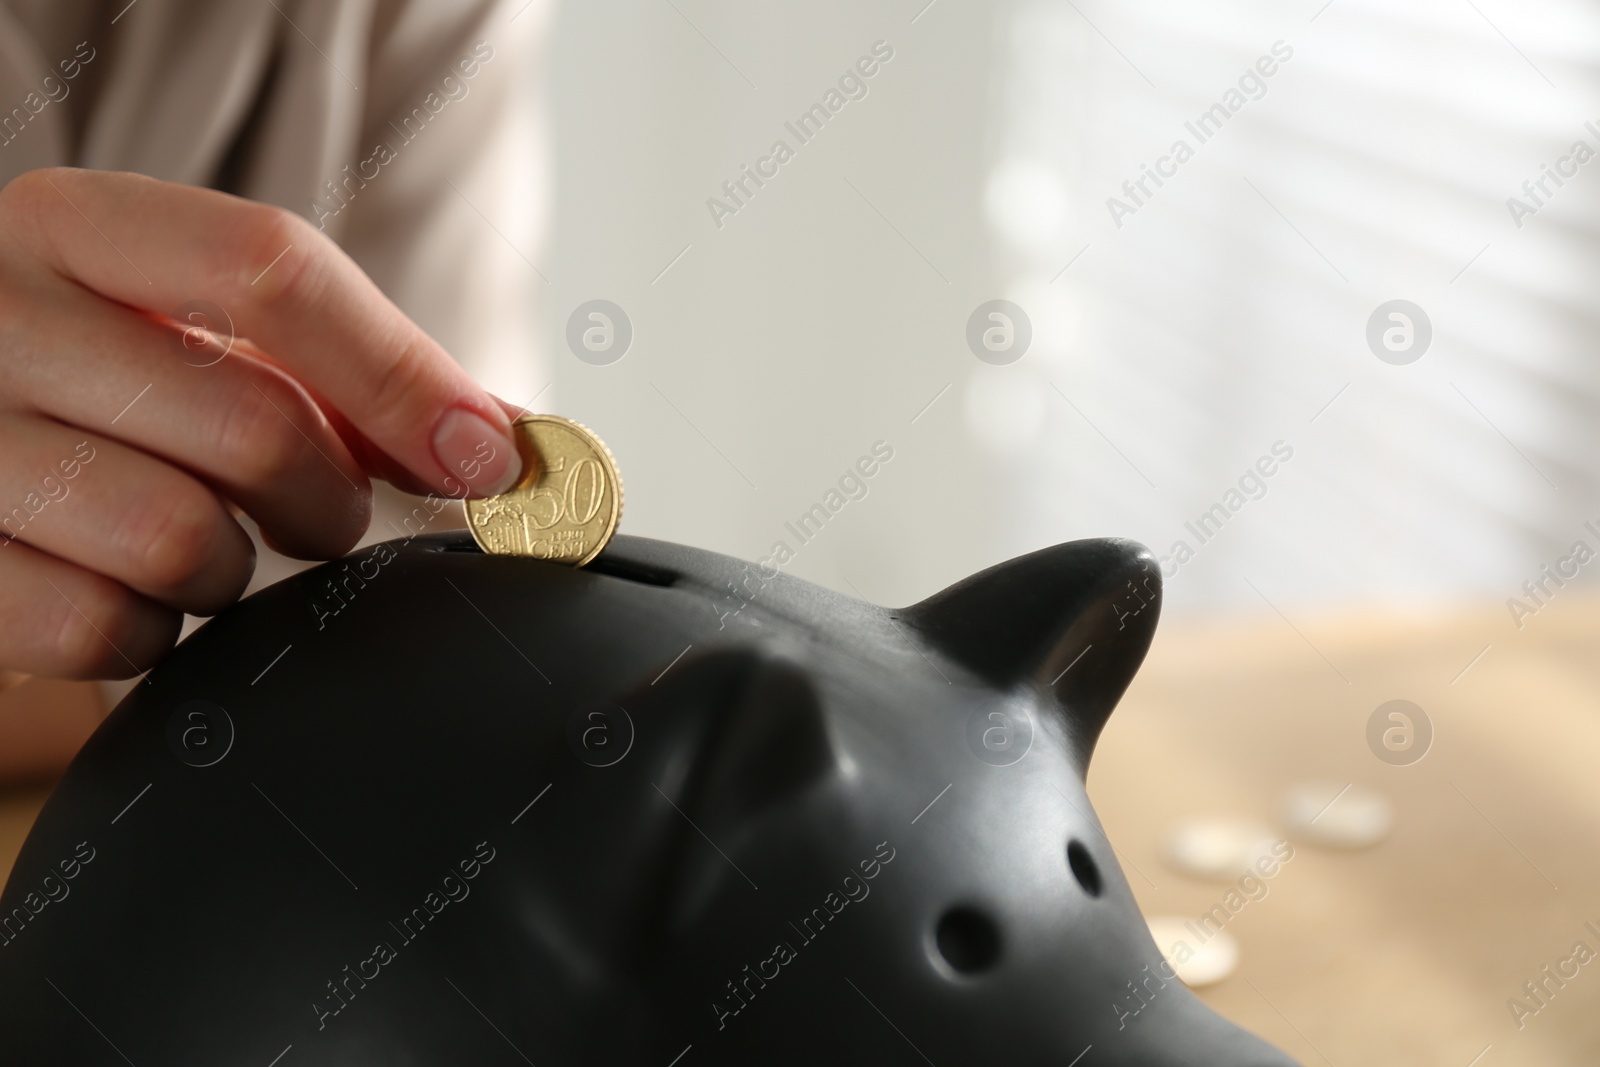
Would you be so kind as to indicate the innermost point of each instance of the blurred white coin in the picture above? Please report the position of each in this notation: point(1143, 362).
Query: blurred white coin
point(1339, 816)
point(1221, 849)
point(1197, 962)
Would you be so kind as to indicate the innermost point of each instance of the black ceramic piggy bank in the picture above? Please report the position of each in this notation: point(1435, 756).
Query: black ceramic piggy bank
point(426, 806)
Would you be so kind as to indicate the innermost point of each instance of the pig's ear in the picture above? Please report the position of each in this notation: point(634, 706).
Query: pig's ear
point(767, 743)
point(1075, 620)
point(760, 737)
point(745, 737)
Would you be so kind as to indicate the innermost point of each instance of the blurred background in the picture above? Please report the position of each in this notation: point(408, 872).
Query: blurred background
point(1288, 293)
point(1172, 344)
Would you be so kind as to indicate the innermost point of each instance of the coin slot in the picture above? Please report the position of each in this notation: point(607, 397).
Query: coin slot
point(612, 567)
point(1083, 867)
point(967, 939)
point(632, 571)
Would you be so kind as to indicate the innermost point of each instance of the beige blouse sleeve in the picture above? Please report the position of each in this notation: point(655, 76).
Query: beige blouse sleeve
point(407, 129)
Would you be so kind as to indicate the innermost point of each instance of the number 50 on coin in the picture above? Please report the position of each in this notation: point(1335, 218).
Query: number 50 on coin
point(568, 504)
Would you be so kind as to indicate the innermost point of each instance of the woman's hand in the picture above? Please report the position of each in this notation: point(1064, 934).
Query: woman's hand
point(289, 380)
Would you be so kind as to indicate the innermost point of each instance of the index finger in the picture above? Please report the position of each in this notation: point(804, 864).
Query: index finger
point(291, 290)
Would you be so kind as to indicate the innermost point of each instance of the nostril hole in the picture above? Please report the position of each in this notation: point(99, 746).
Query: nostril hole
point(968, 940)
point(1083, 867)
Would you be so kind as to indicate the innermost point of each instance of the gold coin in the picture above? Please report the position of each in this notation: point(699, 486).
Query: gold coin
point(567, 504)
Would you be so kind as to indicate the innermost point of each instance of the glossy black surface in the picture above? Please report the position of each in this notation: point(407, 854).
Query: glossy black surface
point(462, 809)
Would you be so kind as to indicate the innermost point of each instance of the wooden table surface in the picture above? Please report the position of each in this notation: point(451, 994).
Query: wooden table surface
point(1405, 953)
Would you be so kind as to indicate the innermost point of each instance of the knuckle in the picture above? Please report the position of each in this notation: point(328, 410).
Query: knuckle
point(410, 374)
point(27, 187)
point(32, 198)
point(168, 536)
point(282, 269)
point(257, 443)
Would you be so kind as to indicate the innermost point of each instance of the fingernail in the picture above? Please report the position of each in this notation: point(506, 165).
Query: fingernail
point(477, 452)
